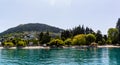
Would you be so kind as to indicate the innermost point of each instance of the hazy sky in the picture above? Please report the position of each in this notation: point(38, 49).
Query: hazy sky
point(97, 14)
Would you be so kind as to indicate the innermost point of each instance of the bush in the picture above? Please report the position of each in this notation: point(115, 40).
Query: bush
point(79, 40)
point(9, 44)
point(100, 42)
point(90, 38)
point(108, 41)
point(56, 42)
point(68, 42)
point(35, 42)
point(21, 43)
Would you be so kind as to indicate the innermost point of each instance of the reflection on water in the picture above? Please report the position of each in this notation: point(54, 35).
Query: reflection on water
point(101, 56)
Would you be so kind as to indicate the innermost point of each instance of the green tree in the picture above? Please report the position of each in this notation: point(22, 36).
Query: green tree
point(68, 41)
point(79, 40)
point(21, 43)
point(90, 38)
point(98, 36)
point(8, 44)
point(118, 27)
point(44, 38)
point(65, 34)
point(56, 43)
point(108, 41)
point(41, 36)
point(113, 35)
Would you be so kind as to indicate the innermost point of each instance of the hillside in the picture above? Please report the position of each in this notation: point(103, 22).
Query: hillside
point(32, 27)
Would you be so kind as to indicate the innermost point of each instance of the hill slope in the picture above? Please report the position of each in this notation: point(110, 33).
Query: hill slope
point(32, 27)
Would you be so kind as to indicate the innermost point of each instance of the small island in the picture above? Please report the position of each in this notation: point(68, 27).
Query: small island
point(35, 35)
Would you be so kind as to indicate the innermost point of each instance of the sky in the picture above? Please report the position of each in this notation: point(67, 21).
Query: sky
point(65, 14)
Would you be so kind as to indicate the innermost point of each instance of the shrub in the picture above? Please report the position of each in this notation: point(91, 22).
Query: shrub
point(10, 44)
point(56, 42)
point(90, 38)
point(68, 42)
point(35, 42)
point(108, 41)
point(100, 43)
point(79, 40)
point(21, 43)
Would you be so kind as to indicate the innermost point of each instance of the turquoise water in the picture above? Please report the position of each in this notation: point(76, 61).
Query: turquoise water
point(101, 56)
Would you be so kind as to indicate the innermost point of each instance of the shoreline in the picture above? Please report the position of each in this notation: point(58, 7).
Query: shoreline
point(42, 47)
point(27, 47)
point(108, 46)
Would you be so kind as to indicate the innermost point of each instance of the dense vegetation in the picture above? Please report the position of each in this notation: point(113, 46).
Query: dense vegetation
point(79, 35)
point(32, 27)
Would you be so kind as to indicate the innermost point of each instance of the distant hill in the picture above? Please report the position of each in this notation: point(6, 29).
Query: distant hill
point(32, 27)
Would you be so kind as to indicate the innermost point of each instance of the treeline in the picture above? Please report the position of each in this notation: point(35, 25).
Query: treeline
point(79, 35)
point(75, 31)
point(86, 33)
point(112, 36)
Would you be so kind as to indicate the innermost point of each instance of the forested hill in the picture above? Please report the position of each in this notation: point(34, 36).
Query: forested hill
point(32, 27)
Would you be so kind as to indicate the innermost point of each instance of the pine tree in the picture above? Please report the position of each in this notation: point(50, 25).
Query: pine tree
point(118, 24)
point(98, 36)
point(118, 27)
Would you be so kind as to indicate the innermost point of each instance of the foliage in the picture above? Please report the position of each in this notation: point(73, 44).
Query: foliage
point(105, 38)
point(75, 31)
point(10, 44)
point(35, 42)
point(79, 40)
point(100, 43)
point(79, 35)
point(118, 24)
point(21, 43)
point(41, 36)
point(98, 36)
point(90, 38)
point(68, 41)
point(65, 34)
point(81, 30)
point(44, 38)
point(118, 27)
point(15, 41)
point(113, 35)
point(56, 42)
point(108, 41)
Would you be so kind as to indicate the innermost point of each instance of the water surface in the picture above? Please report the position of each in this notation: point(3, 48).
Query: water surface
point(101, 56)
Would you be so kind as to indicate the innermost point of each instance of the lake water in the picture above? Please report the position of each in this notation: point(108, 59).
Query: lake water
point(101, 56)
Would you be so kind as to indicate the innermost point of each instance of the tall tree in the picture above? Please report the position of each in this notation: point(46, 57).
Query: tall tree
point(41, 36)
point(118, 24)
point(105, 37)
point(87, 30)
point(113, 35)
point(90, 38)
point(66, 34)
point(44, 38)
point(83, 30)
point(118, 27)
point(98, 36)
